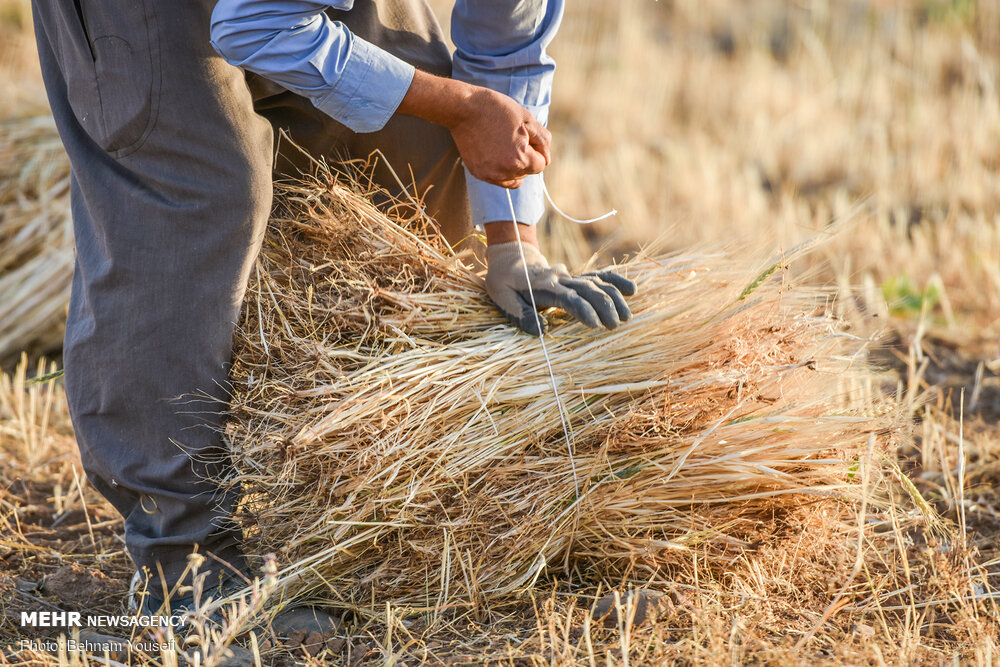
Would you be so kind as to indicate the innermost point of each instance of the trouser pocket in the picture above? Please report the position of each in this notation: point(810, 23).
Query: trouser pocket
point(109, 55)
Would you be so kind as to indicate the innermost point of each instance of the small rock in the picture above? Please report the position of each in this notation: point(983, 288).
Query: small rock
point(643, 601)
point(313, 643)
point(25, 586)
point(864, 630)
point(77, 586)
point(295, 639)
point(358, 653)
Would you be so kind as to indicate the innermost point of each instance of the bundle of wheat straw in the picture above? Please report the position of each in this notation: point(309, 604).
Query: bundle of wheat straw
point(397, 440)
point(36, 237)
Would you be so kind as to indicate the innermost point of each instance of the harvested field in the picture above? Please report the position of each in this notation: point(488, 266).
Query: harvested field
point(725, 443)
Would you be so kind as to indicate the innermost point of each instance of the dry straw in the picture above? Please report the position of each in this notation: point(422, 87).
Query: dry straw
point(36, 237)
point(396, 440)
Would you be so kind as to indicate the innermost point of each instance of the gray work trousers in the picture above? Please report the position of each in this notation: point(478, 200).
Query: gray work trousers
point(172, 155)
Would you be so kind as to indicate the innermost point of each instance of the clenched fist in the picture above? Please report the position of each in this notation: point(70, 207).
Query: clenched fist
point(500, 141)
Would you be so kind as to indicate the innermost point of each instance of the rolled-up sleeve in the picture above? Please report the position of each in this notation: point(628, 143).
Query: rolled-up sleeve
point(295, 44)
point(501, 45)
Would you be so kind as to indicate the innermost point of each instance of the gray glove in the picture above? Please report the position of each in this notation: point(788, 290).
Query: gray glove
point(594, 298)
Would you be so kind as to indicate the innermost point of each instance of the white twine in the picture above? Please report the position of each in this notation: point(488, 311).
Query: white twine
point(563, 414)
point(569, 217)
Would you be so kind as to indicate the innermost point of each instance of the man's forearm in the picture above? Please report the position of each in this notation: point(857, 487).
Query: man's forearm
point(502, 231)
point(437, 99)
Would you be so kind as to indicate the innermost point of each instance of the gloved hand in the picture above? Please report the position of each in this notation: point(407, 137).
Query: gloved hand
point(595, 298)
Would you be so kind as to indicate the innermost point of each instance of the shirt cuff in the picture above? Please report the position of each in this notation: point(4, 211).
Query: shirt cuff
point(369, 91)
point(539, 111)
point(488, 202)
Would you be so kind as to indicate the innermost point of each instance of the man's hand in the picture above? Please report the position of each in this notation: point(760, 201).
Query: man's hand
point(499, 140)
point(596, 299)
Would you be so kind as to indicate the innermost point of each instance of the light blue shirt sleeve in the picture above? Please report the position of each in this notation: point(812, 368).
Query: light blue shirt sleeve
point(501, 45)
point(293, 43)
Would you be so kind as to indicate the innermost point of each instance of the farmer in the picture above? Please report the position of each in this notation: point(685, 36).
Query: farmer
point(170, 112)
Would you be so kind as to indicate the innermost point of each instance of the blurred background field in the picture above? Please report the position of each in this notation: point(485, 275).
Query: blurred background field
point(873, 124)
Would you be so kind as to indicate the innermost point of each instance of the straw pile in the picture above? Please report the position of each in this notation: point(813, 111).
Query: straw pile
point(36, 237)
point(398, 441)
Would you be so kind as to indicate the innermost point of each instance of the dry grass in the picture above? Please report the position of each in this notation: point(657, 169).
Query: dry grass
point(400, 443)
point(36, 237)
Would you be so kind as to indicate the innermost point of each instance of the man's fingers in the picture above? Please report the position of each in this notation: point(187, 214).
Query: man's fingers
point(570, 301)
point(536, 162)
point(599, 300)
point(540, 139)
point(518, 311)
point(624, 312)
point(624, 285)
point(528, 319)
point(528, 161)
point(528, 155)
point(532, 149)
point(531, 163)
